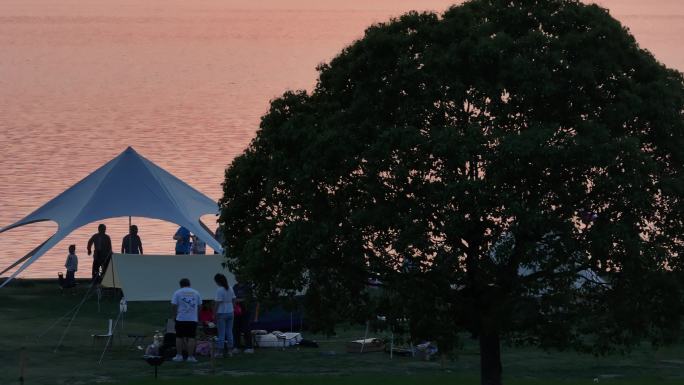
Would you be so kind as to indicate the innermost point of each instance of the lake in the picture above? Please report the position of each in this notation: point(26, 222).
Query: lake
point(183, 82)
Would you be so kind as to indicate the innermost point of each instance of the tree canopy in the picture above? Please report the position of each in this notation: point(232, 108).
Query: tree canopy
point(510, 168)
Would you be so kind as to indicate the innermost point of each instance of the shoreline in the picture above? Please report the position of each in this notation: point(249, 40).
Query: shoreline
point(33, 281)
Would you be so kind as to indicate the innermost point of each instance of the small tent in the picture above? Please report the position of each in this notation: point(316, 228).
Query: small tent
point(128, 185)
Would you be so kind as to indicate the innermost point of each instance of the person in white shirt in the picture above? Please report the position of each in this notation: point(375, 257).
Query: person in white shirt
point(223, 308)
point(186, 303)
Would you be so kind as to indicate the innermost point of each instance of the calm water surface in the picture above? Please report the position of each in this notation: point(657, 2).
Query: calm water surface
point(184, 82)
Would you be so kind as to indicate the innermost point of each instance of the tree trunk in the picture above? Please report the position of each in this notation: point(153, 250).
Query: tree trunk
point(490, 359)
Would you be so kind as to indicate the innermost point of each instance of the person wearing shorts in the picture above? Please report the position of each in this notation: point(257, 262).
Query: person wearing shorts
point(186, 303)
point(186, 329)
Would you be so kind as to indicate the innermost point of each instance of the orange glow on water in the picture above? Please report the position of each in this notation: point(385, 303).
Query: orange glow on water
point(184, 82)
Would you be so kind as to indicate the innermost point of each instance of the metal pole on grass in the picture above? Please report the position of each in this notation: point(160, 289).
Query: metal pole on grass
point(212, 357)
point(130, 238)
point(98, 290)
point(391, 345)
point(365, 335)
point(109, 338)
point(123, 309)
point(22, 364)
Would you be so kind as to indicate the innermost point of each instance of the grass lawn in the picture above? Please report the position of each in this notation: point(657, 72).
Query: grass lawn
point(30, 308)
point(390, 380)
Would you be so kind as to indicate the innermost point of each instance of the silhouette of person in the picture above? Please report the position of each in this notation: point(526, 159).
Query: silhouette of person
point(131, 243)
point(182, 238)
point(102, 253)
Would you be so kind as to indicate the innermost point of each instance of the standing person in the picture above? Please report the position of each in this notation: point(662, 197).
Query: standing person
point(131, 243)
point(186, 303)
point(241, 327)
point(103, 251)
point(223, 308)
point(198, 245)
point(220, 237)
point(71, 265)
point(182, 238)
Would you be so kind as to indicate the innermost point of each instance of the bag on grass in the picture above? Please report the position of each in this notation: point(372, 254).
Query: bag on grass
point(203, 348)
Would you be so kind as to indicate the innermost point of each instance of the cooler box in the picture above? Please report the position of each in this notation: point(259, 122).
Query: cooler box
point(277, 340)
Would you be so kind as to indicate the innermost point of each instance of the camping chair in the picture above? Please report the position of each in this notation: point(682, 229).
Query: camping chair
point(107, 338)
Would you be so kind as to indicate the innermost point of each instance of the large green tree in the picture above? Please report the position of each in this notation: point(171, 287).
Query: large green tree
point(511, 168)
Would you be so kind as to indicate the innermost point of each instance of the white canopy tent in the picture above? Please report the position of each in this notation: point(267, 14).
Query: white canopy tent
point(156, 277)
point(128, 185)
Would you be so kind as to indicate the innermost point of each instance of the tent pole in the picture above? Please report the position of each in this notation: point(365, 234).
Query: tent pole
point(22, 364)
point(130, 238)
point(109, 338)
point(391, 345)
point(110, 265)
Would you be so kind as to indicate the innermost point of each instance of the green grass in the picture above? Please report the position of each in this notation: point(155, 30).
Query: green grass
point(390, 380)
point(30, 308)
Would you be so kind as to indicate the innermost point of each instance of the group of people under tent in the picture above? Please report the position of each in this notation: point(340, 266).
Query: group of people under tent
point(100, 247)
point(231, 308)
point(231, 313)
